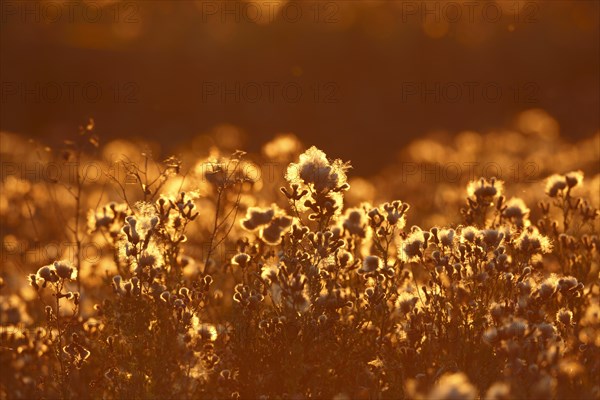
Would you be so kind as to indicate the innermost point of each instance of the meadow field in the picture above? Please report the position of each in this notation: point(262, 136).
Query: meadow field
point(466, 269)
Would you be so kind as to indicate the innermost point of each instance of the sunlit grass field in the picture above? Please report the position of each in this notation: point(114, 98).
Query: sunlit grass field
point(467, 269)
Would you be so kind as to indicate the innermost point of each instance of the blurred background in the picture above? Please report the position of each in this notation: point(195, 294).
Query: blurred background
point(357, 79)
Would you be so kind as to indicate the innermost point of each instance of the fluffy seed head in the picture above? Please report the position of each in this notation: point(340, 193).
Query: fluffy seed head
point(240, 260)
point(371, 264)
point(412, 246)
point(45, 273)
point(316, 171)
point(64, 269)
point(454, 387)
point(485, 189)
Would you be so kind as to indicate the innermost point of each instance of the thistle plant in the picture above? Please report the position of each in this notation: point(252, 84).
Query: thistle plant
point(211, 284)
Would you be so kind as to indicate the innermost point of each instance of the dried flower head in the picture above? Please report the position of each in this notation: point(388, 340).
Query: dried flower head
point(498, 391)
point(371, 264)
point(64, 269)
point(516, 211)
point(257, 217)
point(484, 189)
point(469, 234)
point(395, 213)
point(412, 247)
point(317, 172)
point(406, 302)
point(241, 260)
point(446, 236)
point(574, 178)
point(454, 387)
point(564, 317)
point(556, 184)
point(46, 273)
point(273, 233)
point(355, 222)
point(530, 241)
point(271, 223)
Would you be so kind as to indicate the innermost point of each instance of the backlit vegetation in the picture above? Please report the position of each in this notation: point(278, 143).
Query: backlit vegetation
point(286, 275)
